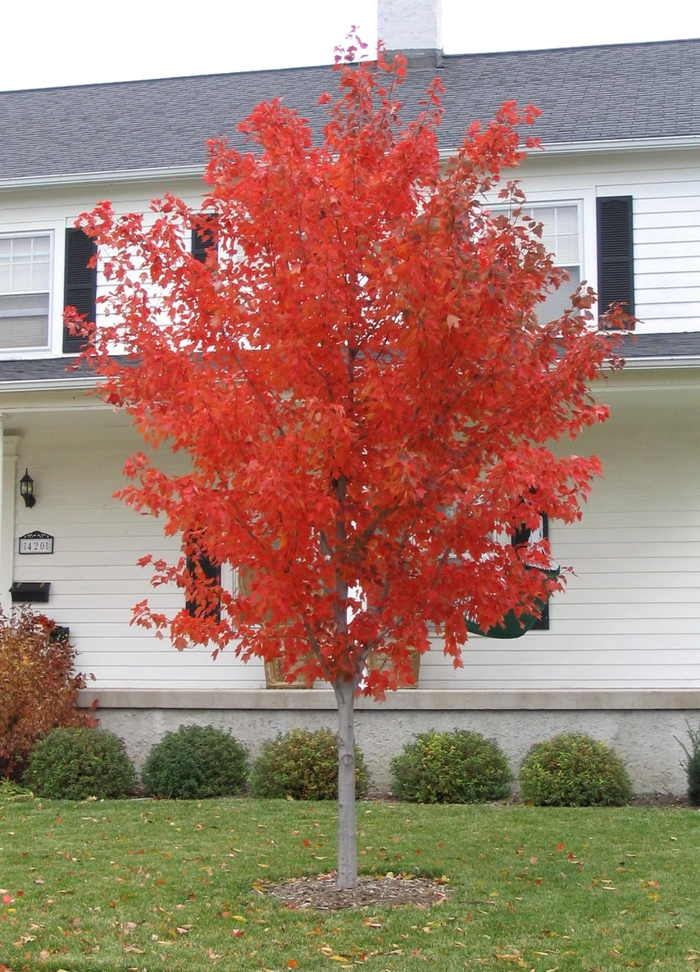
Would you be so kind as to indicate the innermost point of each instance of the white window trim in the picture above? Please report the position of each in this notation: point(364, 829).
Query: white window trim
point(585, 202)
point(55, 230)
point(536, 201)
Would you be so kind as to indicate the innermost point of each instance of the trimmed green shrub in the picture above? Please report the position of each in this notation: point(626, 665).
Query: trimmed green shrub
point(194, 763)
point(304, 765)
point(451, 767)
point(691, 764)
point(77, 763)
point(572, 770)
point(38, 686)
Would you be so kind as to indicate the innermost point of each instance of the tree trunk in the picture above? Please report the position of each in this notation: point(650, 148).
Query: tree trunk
point(347, 837)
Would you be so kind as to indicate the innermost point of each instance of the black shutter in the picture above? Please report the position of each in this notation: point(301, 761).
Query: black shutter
point(520, 537)
point(80, 284)
point(615, 253)
point(202, 242)
point(210, 571)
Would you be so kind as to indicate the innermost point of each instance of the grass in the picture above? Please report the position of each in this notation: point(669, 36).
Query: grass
point(141, 885)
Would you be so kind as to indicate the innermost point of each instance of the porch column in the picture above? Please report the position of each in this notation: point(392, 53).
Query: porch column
point(8, 486)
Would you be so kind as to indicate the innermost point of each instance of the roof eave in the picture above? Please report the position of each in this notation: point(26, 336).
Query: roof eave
point(151, 174)
point(154, 173)
point(662, 363)
point(607, 145)
point(648, 144)
point(48, 384)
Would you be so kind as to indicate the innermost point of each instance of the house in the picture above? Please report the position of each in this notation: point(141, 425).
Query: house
point(618, 189)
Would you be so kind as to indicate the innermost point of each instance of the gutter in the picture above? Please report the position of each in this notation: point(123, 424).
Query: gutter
point(607, 145)
point(154, 173)
point(662, 363)
point(48, 384)
point(665, 363)
point(119, 176)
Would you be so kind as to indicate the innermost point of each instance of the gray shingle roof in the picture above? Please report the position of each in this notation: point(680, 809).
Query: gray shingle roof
point(50, 370)
point(622, 91)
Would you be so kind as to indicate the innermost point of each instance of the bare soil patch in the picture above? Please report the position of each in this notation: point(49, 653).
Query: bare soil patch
point(659, 800)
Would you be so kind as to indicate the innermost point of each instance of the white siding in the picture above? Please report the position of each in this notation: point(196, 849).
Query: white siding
point(665, 188)
point(76, 461)
point(630, 616)
point(56, 209)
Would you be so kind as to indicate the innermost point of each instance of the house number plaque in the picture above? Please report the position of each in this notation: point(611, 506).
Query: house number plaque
point(36, 543)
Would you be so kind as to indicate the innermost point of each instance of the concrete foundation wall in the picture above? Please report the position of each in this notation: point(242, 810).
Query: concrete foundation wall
point(640, 726)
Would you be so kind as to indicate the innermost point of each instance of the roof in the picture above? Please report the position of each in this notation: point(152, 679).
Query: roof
point(587, 94)
point(67, 370)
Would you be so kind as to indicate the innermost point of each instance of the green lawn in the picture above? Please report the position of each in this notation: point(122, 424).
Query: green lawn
point(140, 885)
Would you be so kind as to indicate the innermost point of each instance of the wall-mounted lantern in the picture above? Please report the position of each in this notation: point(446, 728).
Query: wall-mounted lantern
point(26, 489)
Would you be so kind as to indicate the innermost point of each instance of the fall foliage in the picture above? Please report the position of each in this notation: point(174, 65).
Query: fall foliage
point(38, 686)
point(358, 375)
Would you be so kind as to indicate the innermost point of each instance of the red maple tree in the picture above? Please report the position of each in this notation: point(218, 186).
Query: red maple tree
point(359, 378)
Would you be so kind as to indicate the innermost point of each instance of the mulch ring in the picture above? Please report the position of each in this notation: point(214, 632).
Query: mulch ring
point(321, 894)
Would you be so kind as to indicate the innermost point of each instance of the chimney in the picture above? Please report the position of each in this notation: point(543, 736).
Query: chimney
point(413, 27)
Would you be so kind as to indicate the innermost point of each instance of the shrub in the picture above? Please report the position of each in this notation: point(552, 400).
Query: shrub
point(194, 763)
point(691, 764)
point(304, 765)
point(451, 767)
point(38, 686)
point(574, 770)
point(77, 763)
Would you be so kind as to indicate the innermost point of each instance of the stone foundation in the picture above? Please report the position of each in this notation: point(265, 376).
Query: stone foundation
point(640, 725)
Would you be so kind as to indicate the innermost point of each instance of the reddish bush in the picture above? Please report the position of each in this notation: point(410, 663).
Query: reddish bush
point(38, 686)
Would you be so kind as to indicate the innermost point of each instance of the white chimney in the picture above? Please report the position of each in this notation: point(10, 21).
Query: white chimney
point(411, 26)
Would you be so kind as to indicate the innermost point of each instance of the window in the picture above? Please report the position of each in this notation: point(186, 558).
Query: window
point(203, 240)
point(199, 565)
point(525, 536)
point(25, 264)
point(560, 236)
point(615, 253)
point(80, 284)
point(203, 568)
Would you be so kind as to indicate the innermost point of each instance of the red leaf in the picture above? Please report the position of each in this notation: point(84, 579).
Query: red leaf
point(360, 429)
